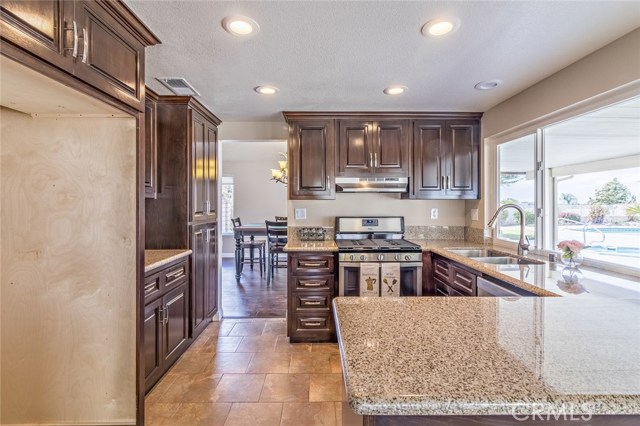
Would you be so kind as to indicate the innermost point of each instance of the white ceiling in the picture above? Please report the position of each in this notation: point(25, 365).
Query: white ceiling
point(339, 55)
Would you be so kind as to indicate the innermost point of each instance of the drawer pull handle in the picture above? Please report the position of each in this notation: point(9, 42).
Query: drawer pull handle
point(312, 302)
point(312, 264)
point(175, 274)
point(313, 324)
point(312, 283)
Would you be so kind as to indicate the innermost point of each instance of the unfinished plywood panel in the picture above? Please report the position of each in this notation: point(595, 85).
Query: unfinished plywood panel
point(68, 262)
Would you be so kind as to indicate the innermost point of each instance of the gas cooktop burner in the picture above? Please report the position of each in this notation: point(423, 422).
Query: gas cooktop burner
point(376, 244)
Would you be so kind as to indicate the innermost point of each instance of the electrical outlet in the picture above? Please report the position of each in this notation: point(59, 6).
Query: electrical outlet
point(474, 214)
point(434, 213)
point(300, 214)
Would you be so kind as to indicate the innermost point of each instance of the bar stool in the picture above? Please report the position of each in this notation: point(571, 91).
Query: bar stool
point(251, 246)
point(281, 218)
point(277, 239)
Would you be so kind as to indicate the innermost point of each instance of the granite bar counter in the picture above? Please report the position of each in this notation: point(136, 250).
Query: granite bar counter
point(437, 356)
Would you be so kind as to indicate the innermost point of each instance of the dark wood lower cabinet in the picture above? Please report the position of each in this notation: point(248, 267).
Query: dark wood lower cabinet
point(311, 288)
point(166, 318)
point(204, 295)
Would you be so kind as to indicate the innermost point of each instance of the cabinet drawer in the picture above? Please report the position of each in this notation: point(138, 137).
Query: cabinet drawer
point(463, 281)
point(175, 275)
point(152, 286)
point(315, 301)
point(442, 289)
point(313, 321)
point(321, 282)
point(441, 269)
point(312, 264)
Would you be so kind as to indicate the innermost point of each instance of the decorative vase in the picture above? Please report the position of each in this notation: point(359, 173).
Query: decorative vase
point(572, 260)
point(571, 274)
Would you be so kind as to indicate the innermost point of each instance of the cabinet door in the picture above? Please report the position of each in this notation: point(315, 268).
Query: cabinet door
point(312, 160)
point(150, 149)
point(462, 174)
point(176, 328)
point(391, 152)
point(200, 279)
point(198, 167)
point(355, 148)
point(211, 169)
point(428, 159)
point(43, 28)
point(110, 58)
point(211, 290)
point(152, 342)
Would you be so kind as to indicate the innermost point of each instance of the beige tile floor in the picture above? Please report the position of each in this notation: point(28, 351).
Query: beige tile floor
point(245, 372)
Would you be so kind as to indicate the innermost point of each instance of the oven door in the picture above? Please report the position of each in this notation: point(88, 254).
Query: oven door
point(349, 278)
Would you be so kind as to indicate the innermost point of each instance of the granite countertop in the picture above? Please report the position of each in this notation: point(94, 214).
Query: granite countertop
point(299, 245)
point(544, 279)
point(156, 258)
point(489, 356)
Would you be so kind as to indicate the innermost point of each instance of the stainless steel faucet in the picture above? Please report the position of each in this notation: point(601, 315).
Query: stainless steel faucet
point(523, 244)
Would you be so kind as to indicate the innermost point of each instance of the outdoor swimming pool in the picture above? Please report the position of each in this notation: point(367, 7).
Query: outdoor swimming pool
point(610, 229)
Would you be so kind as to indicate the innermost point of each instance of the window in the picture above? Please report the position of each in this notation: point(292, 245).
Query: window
point(226, 204)
point(582, 176)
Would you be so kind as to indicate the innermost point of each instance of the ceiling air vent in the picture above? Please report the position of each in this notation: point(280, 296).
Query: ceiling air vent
point(179, 86)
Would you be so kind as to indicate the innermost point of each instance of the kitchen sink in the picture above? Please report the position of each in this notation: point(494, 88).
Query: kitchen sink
point(493, 257)
point(505, 260)
point(478, 253)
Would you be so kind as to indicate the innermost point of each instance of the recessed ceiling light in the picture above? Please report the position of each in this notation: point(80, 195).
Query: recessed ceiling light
point(394, 90)
point(488, 85)
point(440, 26)
point(266, 90)
point(240, 25)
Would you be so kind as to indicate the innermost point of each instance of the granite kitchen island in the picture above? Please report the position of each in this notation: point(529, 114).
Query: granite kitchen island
point(489, 361)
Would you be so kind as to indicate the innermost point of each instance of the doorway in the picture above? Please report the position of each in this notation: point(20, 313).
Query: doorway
point(248, 192)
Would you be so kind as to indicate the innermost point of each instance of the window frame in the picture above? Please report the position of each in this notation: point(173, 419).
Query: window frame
point(226, 180)
point(545, 190)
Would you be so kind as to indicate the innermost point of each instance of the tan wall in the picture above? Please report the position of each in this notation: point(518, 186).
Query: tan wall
point(68, 221)
point(253, 130)
point(416, 212)
point(608, 68)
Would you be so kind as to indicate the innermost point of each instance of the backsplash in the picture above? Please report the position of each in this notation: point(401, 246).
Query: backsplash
point(475, 235)
point(310, 233)
point(434, 232)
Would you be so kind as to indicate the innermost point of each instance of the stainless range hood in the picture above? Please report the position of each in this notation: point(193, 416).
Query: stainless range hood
point(371, 184)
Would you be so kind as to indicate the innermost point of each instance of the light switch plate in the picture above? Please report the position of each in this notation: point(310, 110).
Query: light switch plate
point(434, 213)
point(300, 214)
point(474, 214)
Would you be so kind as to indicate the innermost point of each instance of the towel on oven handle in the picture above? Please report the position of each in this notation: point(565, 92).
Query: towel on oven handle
point(390, 280)
point(369, 279)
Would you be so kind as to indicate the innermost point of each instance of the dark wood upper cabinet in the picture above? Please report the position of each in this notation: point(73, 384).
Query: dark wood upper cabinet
point(99, 42)
point(373, 148)
point(311, 159)
point(446, 159)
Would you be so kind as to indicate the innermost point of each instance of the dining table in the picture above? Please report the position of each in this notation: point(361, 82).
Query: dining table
point(250, 230)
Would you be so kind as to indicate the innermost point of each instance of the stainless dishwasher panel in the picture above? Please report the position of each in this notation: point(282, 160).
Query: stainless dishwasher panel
point(488, 288)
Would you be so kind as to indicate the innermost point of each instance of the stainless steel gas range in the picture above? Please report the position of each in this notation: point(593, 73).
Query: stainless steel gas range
point(374, 259)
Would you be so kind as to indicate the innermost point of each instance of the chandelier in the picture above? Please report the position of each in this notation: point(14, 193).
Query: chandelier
point(280, 175)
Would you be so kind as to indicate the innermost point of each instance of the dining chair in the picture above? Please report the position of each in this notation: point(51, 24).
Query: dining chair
point(281, 218)
point(276, 240)
point(252, 245)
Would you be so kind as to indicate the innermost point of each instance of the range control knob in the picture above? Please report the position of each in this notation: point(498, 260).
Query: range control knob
point(381, 257)
point(396, 257)
point(407, 257)
point(350, 257)
point(363, 257)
